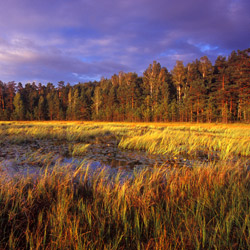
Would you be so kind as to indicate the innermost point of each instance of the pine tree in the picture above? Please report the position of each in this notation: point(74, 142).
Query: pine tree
point(70, 106)
point(76, 105)
point(41, 109)
point(19, 107)
point(179, 76)
point(10, 94)
point(97, 101)
point(196, 91)
point(222, 87)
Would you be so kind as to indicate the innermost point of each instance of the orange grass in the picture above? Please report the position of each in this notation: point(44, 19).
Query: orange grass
point(203, 207)
point(199, 208)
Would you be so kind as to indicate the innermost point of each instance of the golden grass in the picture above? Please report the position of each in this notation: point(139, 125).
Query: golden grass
point(202, 208)
point(223, 141)
point(79, 149)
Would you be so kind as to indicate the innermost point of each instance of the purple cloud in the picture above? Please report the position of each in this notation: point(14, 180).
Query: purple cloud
point(79, 40)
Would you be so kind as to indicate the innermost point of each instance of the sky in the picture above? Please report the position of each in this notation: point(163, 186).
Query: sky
point(84, 40)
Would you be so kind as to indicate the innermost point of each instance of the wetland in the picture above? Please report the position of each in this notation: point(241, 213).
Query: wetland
point(86, 185)
point(29, 149)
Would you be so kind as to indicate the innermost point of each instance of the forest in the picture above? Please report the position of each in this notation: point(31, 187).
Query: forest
point(197, 92)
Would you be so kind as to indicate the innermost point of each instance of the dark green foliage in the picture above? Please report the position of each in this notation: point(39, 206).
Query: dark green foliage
point(198, 92)
point(19, 107)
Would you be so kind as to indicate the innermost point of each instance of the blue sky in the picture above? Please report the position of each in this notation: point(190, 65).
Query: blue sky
point(82, 40)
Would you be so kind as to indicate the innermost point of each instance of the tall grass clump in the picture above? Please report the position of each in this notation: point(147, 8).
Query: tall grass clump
point(206, 207)
point(211, 141)
point(79, 149)
point(30, 131)
point(221, 143)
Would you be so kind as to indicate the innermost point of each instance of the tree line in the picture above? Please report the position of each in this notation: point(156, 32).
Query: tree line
point(197, 92)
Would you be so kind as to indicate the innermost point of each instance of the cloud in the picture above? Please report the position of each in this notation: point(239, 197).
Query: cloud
point(48, 63)
point(79, 40)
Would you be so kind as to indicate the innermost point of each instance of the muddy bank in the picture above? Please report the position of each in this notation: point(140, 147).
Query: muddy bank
point(27, 158)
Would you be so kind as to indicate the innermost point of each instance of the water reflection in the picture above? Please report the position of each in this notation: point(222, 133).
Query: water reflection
point(32, 158)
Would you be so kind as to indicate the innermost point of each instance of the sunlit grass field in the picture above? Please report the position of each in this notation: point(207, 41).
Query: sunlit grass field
point(206, 206)
point(208, 140)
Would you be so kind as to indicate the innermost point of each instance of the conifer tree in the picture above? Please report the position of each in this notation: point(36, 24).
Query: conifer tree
point(42, 112)
point(179, 76)
point(19, 107)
